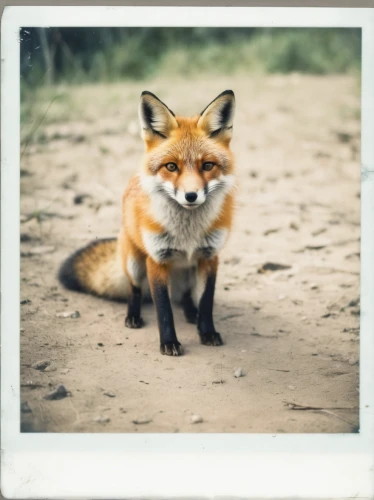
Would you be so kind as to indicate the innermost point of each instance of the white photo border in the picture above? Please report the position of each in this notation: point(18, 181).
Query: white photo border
point(178, 465)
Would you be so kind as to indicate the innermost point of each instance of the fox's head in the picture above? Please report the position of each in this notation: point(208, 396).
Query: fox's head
point(188, 160)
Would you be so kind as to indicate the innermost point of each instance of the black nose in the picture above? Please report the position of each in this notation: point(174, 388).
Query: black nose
point(191, 197)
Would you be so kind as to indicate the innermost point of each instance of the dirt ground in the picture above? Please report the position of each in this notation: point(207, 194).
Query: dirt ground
point(294, 332)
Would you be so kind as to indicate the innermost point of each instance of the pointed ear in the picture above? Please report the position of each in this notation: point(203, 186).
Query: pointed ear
point(217, 118)
point(156, 119)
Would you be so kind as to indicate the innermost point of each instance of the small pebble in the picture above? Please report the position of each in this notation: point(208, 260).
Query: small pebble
point(109, 394)
point(25, 408)
point(68, 314)
point(238, 373)
point(64, 371)
point(79, 198)
point(314, 286)
point(101, 419)
point(25, 301)
point(123, 410)
point(353, 361)
point(196, 419)
point(59, 393)
point(281, 297)
point(25, 237)
point(40, 365)
point(142, 420)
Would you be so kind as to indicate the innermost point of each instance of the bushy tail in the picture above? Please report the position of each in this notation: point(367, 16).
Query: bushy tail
point(96, 269)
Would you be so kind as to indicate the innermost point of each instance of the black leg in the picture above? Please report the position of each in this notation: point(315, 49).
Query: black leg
point(133, 318)
point(189, 308)
point(158, 279)
point(205, 325)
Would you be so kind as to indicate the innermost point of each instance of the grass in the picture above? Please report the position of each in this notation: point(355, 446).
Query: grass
point(280, 52)
point(143, 53)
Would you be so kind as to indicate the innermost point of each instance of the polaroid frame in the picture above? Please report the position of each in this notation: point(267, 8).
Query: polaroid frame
point(179, 465)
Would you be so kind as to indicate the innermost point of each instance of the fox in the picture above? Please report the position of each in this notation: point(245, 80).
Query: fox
point(177, 214)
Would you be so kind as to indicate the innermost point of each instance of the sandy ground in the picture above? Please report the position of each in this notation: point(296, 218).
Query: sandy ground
point(294, 332)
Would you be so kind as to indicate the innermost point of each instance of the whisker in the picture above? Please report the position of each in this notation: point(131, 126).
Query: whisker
point(166, 190)
point(215, 187)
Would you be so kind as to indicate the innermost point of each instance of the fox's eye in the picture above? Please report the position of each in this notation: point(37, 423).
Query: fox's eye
point(172, 167)
point(208, 165)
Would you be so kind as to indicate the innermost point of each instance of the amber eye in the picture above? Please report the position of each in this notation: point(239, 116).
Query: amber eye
point(208, 165)
point(172, 167)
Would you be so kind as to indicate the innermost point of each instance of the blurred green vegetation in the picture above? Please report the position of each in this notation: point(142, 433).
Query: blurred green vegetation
point(81, 55)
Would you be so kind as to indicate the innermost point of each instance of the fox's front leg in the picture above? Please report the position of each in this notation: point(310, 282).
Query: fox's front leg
point(207, 272)
point(158, 277)
point(135, 269)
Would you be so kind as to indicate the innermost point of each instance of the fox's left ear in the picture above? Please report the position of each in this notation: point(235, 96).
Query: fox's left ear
point(217, 118)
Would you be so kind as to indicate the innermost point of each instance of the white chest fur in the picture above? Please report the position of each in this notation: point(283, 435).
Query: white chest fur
point(181, 249)
point(186, 234)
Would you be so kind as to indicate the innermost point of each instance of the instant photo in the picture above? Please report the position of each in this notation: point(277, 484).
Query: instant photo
point(190, 230)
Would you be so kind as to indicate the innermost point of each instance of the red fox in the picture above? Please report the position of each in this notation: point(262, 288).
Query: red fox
point(176, 216)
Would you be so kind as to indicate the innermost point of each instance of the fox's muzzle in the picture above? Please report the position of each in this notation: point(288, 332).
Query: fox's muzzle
point(190, 199)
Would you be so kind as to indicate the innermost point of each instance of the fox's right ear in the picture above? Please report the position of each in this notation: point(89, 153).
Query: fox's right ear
point(156, 119)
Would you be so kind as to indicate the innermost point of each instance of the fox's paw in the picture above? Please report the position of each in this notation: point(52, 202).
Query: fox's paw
point(132, 322)
point(213, 338)
point(171, 349)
